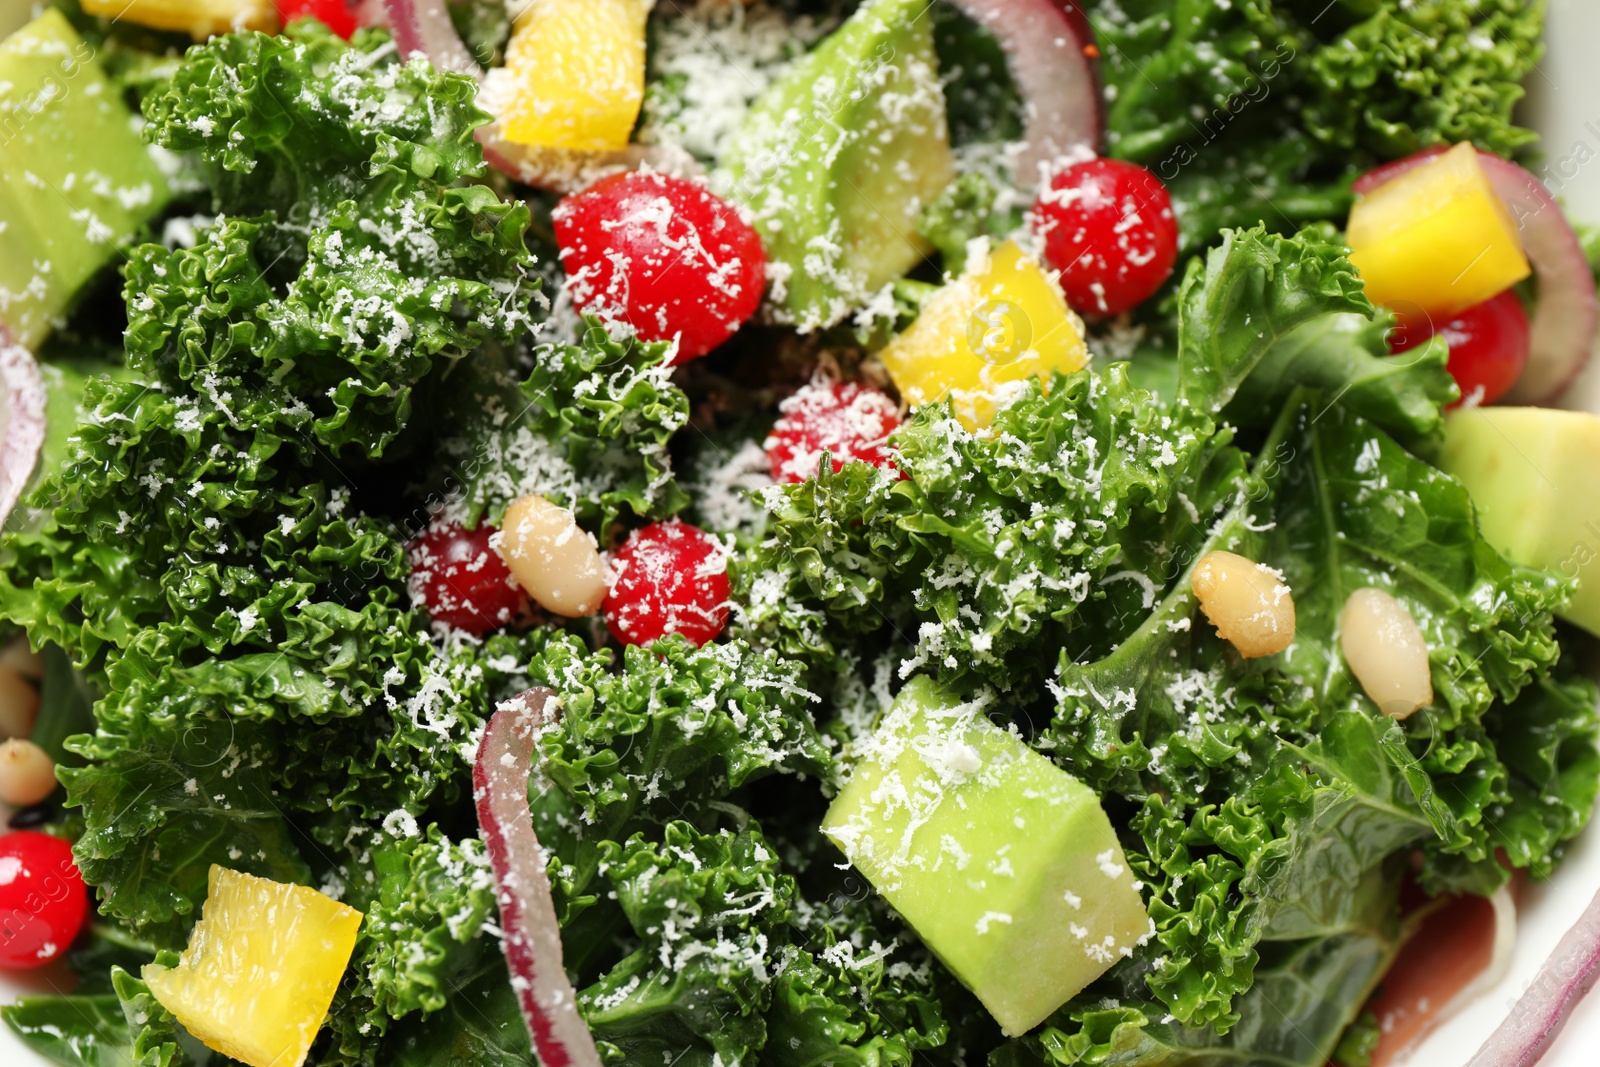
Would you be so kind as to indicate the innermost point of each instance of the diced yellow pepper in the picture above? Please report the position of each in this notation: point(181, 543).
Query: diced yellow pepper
point(1002, 322)
point(261, 968)
point(1437, 238)
point(198, 18)
point(575, 74)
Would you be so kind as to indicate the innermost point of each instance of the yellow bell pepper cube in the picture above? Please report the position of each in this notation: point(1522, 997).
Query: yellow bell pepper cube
point(574, 74)
point(1436, 239)
point(260, 970)
point(198, 18)
point(1002, 322)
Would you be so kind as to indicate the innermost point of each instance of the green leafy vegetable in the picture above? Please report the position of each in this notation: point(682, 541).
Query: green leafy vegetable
point(1244, 296)
point(677, 725)
point(587, 426)
point(74, 1031)
point(1346, 358)
point(427, 927)
point(706, 908)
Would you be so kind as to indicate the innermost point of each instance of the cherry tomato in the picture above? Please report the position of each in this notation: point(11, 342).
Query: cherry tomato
point(43, 902)
point(850, 421)
point(669, 578)
point(1108, 228)
point(331, 13)
point(1488, 345)
point(664, 255)
point(461, 580)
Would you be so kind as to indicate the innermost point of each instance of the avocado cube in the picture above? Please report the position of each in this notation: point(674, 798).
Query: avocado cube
point(76, 182)
point(837, 159)
point(1005, 865)
point(1530, 472)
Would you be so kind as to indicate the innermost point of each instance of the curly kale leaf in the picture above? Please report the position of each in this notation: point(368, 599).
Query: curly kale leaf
point(209, 764)
point(1354, 509)
point(195, 500)
point(1401, 525)
point(164, 798)
point(77, 1031)
point(272, 704)
point(587, 427)
point(849, 992)
point(1547, 738)
point(708, 910)
point(297, 124)
point(480, 1025)
point(1244, 296)
point(333, 357)
point(1347, 358)
point(427, 926)
point(1425, 74)
point(732, 961)
point(996, 543)
point(676, 729)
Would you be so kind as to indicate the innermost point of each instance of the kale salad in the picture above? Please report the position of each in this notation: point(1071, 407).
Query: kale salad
point(799, 533)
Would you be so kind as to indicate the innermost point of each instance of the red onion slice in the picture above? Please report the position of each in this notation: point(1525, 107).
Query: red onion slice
point(423, 27)
point(23, 420)
point(1053, 59)
point(1566, 317)
point(1538, 1017)
point(532, 941)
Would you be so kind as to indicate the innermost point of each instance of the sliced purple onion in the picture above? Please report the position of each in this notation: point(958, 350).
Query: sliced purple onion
point(532, 936)
point(1567, 314)
point(1560, 985)
point(1053, 60)
point(1566, 317)
point(23, 421)
point(423, 28)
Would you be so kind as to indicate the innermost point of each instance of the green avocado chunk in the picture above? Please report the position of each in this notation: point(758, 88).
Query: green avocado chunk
point(75, 179)
point(1004, 864)
point(1531, 473)
point(838, 158)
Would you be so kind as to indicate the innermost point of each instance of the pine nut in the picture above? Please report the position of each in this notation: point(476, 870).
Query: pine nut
point(551, 557)
point(27, 773)
point(19, 704)
point(1247, 603)
point(1386, 652)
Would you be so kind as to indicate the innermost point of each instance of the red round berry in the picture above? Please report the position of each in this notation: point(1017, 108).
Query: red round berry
point(664, 255)
point(461, 580)
point(850, 421)
point(669, 578)
point(43, 902)
point(1488, 345)
point(333, 14)
point(1108, 228)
